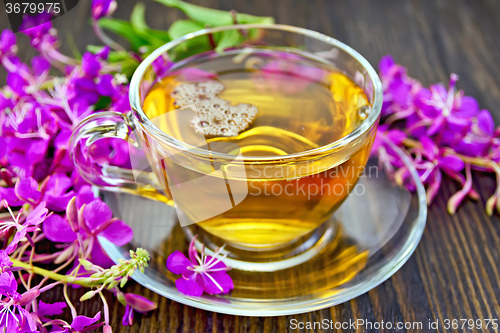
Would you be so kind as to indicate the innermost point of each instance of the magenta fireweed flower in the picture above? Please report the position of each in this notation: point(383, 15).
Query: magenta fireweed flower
point(102, 8)
point(200, 274)
point(22, 224)
point(13, 315)
point(53, 192)
point(93, 219)
point(440, 107)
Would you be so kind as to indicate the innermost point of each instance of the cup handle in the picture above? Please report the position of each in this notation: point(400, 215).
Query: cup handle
point(110, 124)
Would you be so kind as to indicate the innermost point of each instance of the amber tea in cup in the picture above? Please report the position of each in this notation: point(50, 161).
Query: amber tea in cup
point(269, 103)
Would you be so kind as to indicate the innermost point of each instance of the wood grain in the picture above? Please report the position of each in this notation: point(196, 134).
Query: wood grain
point(453, 273)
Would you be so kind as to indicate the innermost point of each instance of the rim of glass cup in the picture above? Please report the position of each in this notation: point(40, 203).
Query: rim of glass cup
point(135, 100)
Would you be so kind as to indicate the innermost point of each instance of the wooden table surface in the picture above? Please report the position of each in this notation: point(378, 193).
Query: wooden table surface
point(453, 274)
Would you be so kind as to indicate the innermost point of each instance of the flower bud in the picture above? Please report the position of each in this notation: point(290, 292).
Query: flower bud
point(113, 285)
point(29, 296)
point(123, 282)
point(72, 214)
point(102, 8)
point(88, 295)
point(121, 298)
point(86, 264)
point(6, 175)
point(139, 303)
point(107, 329)
point(110, 280)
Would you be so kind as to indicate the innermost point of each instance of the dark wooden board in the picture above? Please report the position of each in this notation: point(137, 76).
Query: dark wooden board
point(454, 272)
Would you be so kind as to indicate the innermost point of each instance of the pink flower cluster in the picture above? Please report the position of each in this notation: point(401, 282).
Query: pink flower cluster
point(441, 129)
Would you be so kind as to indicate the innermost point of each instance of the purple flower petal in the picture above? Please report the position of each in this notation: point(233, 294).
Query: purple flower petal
point(27, 190)
point(177, 262)
point(140, 303)
point(101, 8)
point(59, 203)
point(451, 163)
point(189, 285)
point(9, 194)
point(422, 101)
point(90, 64)
point(469, 107)
point(40, 65)
point(85, 196)
point(58, 183)
point(436, 126)
point(18, 236)
point(128, 316)
point(96, 213)
point(8, 284)
point(37, 215)
point(118, 233)
point(3, 145)
point(222, 279)
point(27, 323)
point(385, 64)
point(46, 309)
point(80, 322)
point(99, 257)
point(485, 122)
point(4, 260)
point(7, 43)
point(105, 85)
point(58, 230)
point(429, 147)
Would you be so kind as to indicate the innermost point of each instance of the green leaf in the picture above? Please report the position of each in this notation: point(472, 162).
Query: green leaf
point(160, 34)
point(124, 29)
point(155, 38)
point(213, 17)
point(183, 27)
point(102, 104)
point(137, 18)
point(228, 38)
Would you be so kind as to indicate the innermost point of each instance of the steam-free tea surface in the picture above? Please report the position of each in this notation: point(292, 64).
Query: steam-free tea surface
point(261, 102)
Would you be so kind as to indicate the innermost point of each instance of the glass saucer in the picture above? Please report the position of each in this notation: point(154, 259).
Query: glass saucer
point(380, 225)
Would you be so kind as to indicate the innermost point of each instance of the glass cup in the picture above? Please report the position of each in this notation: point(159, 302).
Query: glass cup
point(217, 190)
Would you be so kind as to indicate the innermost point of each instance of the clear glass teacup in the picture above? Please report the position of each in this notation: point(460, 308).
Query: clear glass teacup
point(269, 189)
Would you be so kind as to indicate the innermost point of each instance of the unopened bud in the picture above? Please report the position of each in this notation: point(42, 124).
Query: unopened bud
point(123, 282)
point(72, 214)
point(113, 285)
point(29, 296)
point(88, 295)
point(86, 264)
point(121, 298)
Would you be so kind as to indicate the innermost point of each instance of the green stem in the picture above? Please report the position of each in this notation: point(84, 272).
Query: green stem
point(84, 282)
